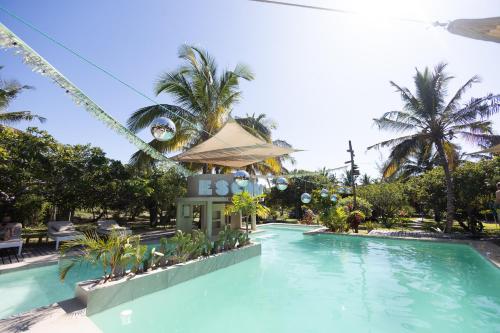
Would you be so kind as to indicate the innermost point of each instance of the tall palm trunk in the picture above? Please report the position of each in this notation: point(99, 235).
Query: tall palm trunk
point(450, 194)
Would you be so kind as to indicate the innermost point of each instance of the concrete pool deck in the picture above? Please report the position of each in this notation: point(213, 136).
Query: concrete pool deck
point(63, 317)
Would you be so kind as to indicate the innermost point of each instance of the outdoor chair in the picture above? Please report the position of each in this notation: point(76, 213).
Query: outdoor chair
point(106, 227)
point(62, 231)
point(10, 236)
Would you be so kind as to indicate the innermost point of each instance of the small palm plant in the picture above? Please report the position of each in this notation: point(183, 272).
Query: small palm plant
point(248, 205)
point(114, 254)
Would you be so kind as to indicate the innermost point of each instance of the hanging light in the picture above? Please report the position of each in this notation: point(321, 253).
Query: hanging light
point(333, 198)
point(305, 198)
point(241, 178)
point(281, 183)
point(163, 129)
point(324, 193)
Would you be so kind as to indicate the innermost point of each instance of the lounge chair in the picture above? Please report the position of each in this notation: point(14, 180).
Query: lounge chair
point(10, 236)
point(106, 227)
point(62, 231)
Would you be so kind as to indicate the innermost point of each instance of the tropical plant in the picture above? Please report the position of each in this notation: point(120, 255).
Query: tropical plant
point(9, 90)
point(114, 254)
point(354, 219)
point(248, 205)
point(181, 247)
point(243, 239)
point(204, 98)
point(366, 179)
point(369, 225)
point(228, 238)
point(336, 220)
point(309, 217)
point(386, 199)
point(434, 124)
point(362, 205)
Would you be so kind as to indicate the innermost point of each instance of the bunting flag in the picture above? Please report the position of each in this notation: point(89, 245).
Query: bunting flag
point(9, 40)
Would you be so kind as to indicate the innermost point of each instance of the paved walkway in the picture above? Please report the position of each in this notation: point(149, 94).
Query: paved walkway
point(64, 317)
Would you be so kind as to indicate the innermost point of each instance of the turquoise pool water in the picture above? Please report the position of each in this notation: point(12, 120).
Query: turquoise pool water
point(27, 289)
point(327, 283)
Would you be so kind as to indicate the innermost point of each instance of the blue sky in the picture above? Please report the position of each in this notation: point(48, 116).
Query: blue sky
point(321, 76)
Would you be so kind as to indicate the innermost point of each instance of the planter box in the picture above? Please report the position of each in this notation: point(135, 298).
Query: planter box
point(104, 296)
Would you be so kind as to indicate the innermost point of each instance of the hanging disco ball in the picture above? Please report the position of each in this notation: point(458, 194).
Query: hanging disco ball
point(241, 178)
point(281, 183)
point(324, 193)
point(305, 198)
point(333, 198)
point(163, 129)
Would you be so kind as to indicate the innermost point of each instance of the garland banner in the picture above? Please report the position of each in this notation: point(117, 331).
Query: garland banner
point(9, 40)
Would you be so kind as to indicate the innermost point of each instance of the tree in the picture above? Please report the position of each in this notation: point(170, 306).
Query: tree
point(248, 205)
point(9, 90)
point(366, 179)
point(386, 199)
point(428, 192)
point(204, 99)
point(262, 127)
point(165, 186)
point(434, 124)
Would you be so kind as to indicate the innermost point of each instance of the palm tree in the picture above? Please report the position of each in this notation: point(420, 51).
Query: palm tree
point(203, 97)
point(433, 124)
point(9, 90)
point(262, 127)
point(366, 180)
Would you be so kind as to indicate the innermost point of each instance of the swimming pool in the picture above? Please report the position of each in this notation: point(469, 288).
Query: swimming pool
point(27, 289)
point(327, 283)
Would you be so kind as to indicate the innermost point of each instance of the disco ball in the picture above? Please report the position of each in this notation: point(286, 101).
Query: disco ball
point(333, 198)
point(305, 198)
point(241, 178)
point(324, 193)
point(281, 183)
point(163, 129)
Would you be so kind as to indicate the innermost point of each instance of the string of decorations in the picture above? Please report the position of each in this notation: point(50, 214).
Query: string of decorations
point(8, 40)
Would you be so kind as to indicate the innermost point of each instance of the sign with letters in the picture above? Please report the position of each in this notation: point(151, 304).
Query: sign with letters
point(210, 185)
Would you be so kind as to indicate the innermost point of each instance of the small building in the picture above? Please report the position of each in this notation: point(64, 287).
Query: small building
point(208, 194)
point(205, 203)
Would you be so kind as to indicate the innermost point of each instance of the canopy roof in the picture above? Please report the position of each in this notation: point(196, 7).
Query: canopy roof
point(483, 29)
point(234, 147)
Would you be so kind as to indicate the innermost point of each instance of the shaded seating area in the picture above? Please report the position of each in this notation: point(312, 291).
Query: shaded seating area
point(107, 227)
point(10, 236)
point(60, 231)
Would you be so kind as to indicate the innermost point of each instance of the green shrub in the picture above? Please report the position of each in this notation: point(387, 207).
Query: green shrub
point(369, 225)
point(362, 205)
point(354, 219)
point(336, 220)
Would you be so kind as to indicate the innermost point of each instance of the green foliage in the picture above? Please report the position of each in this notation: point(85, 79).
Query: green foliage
point(204, 96)
point(363, 205)
point(369, 225)
point(9, 90)
point(354, 218)
point(247, 204)
point(336, 220)
point(430, 125)
point(309, 217)
point(113, 254)
point(387, 199)
point(38, 174)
